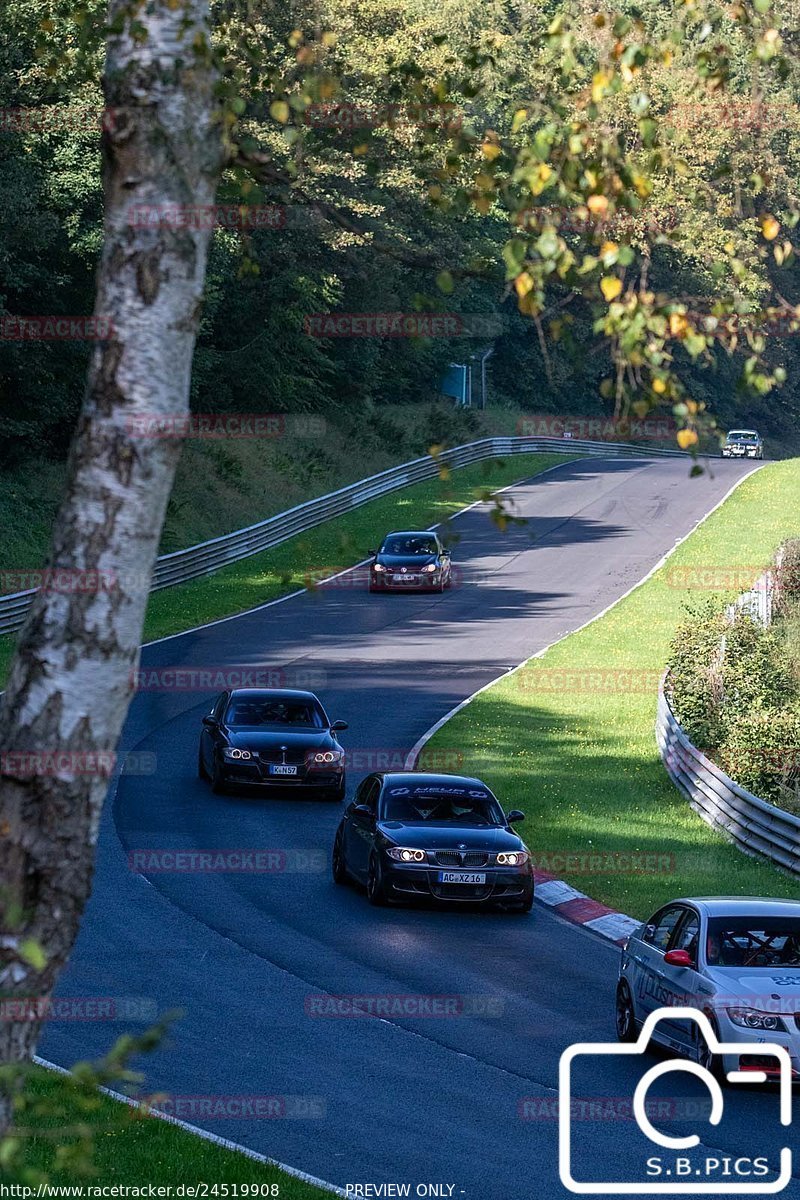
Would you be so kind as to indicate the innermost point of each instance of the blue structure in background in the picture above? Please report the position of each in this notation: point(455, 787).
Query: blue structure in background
point(457, 382)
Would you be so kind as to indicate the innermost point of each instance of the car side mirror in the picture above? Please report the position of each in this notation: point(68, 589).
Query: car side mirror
point(678, 958)
point(514, 816)
point(210, 722)
point(372, 553)
point(363, 810)
point(338, 725)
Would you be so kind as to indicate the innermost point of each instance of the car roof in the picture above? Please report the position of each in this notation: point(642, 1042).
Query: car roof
point(750, 432)
point(431, 779)
point(271, 694)
point(743, 906)
point(410, 533)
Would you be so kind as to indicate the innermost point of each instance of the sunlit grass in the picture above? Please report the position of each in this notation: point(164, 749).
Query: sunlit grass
point(579, 756)
point(132, 1148)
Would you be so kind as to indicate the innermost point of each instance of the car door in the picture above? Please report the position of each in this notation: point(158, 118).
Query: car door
point(682, 985)
point(360, 826)
point(444, 559)
point(647, 954)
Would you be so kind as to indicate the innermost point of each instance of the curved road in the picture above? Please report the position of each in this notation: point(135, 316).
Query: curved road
point(465, 1101)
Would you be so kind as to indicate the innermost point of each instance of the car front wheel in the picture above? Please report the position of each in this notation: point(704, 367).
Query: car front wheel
point(338, 866)
point(626, 1015)
point(376, 889)
point(202, 773)
point(218, 786)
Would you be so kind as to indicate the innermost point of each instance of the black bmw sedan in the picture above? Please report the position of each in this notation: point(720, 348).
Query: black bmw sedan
point(410, 835)
point(410, 561)
point(272, 738)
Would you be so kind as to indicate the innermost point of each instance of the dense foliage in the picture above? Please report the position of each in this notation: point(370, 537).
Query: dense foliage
point(594, 183)
point(735, 687)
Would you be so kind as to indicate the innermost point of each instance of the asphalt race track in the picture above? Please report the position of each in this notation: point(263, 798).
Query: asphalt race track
point(467, 1101)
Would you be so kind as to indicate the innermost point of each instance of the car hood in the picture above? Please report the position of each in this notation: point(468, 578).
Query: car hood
point(762, 987)
point(268, 739)
point(412, 562)
point(449, 837)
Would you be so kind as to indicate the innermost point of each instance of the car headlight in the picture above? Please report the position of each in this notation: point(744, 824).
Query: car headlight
point(751, 1018)
point(404, 854)
point(512, 858)
point(327, 756)
point(234, 752)
point(429, 568)
point(379, 567)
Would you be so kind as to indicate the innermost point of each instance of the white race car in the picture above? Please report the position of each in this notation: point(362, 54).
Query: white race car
point(737, 959)
point(743, 443)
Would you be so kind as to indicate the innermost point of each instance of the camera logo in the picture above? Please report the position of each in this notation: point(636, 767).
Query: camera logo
point(677, 1172)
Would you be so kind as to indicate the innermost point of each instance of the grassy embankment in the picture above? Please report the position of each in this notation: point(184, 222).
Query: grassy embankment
point(579, 755)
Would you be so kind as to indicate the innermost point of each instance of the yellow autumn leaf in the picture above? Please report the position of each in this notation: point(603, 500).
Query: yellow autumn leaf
point(611, 287)
point(597, 205)
point(523, 284)
point(279, 109)
point(659, 386)
point(599, 82)
point(491, 150)
point(678, 325)
point(608, 248)
point(770, 227)
point(686, 438)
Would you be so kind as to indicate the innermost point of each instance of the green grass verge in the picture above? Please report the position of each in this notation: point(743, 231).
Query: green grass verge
point(121, 1145)
point(578, 754)
point(329, 548)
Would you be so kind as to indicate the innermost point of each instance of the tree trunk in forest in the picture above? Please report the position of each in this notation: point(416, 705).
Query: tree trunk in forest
point(71, 680)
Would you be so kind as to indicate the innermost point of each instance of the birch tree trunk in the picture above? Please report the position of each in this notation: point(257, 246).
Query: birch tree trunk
point(70, 683)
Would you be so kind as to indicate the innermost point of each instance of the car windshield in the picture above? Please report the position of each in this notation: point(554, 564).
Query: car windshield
point(742, 435)
point(753, 942)
point(442, 806)
point(413, 544)
point(299, 714)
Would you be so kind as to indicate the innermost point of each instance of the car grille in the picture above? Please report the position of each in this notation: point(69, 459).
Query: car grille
point(294, 755)
point(461, 858)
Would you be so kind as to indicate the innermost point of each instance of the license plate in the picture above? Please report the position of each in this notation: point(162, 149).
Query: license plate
point(404, 578)
point(282, 770)
point(462, 877)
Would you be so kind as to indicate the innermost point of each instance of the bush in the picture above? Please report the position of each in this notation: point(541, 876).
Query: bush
point(756, 675)
point(762, 753)
point(787, 576)
point(694, 679)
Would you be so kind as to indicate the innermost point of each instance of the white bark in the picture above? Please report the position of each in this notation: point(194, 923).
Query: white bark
point(70, 683)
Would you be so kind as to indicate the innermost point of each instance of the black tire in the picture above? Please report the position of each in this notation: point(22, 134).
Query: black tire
point(706, 1059)
point(625, 1014)
point(525, 906)
point(376, 891)
point(202, 773)
point(218, 785)
point(338, 866)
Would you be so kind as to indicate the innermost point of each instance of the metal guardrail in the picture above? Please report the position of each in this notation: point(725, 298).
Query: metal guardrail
point(207, 557)
point(757, 827)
